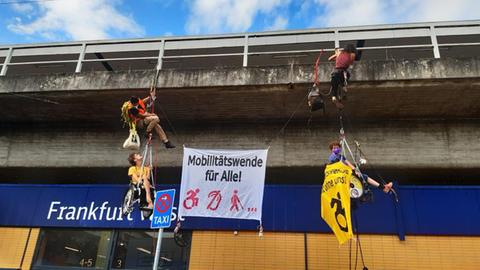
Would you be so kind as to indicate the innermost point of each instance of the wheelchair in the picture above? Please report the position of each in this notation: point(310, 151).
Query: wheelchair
point(136, 194)
point(359, 189)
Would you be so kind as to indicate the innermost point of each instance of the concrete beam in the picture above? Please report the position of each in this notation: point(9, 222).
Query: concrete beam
point(434, 89)
point(297, 74)
point(399, 144)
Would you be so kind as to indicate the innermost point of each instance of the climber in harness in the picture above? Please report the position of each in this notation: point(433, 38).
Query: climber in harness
point(336, 156)
point(137, 113)
point(340, 75)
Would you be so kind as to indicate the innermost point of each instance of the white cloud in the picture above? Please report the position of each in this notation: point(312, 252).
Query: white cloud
point(23, 8)
point(280, 23)
point(218, 16)
point(305, 7)
point(78, 20)
point(366, 12)
point(440, 10)
point(349, 12)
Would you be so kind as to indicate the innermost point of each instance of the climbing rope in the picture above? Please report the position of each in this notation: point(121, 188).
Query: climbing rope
point(146, 151)
point(269, 142)
point(316, 82)
point(361, 154)
point(153, 91)
point(358, 245)
point(151, 106)
point(315, 73)
point(178, 236)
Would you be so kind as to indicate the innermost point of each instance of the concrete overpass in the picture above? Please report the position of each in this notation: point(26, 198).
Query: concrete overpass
point(438, 88)
point(416, 119)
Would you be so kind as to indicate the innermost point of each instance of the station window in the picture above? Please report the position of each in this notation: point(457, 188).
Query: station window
point(109, 249)
point(72, 248)
point(136, 250)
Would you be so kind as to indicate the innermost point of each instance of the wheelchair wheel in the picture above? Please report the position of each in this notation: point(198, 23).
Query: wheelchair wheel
point(356, 188)
point(181, 239)
point(128, 200)
point(146, 213)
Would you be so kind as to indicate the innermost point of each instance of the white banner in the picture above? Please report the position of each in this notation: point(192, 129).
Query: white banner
point(222, 183)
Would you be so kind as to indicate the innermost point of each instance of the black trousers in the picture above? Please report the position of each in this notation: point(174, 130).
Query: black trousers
point(338, 80)
point(143, 196)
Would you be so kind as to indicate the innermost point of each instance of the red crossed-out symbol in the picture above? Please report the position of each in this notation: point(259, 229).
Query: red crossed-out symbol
point(163, 203)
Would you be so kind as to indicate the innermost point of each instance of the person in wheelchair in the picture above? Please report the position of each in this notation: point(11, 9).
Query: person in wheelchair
point(336, 156)
point(139, 179)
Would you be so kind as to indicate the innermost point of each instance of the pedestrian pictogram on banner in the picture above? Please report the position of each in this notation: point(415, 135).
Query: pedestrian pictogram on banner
point(162, 210)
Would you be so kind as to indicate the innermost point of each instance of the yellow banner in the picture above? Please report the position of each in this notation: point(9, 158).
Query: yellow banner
point(335, 202)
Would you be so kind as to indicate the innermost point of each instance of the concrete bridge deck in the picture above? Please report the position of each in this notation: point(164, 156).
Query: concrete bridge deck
point(409, 115)
point(431, 88)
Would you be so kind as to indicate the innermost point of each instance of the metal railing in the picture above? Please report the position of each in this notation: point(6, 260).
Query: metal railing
point(243, 50)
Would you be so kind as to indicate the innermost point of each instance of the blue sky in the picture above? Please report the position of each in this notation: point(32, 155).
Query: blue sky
point(26, 21)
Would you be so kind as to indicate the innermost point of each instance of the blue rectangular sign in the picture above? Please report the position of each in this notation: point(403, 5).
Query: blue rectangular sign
point(426, 210)
point(162, 209)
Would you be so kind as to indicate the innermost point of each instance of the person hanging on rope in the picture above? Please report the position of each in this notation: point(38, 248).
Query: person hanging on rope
point(340, 75)
point(137, 112)
point(336, 156)
point(139, 175)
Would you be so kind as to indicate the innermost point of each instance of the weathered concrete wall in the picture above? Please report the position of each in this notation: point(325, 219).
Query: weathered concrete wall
point(401, 144)
point(384, 94)
point(364, 71)
point(434, 89)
